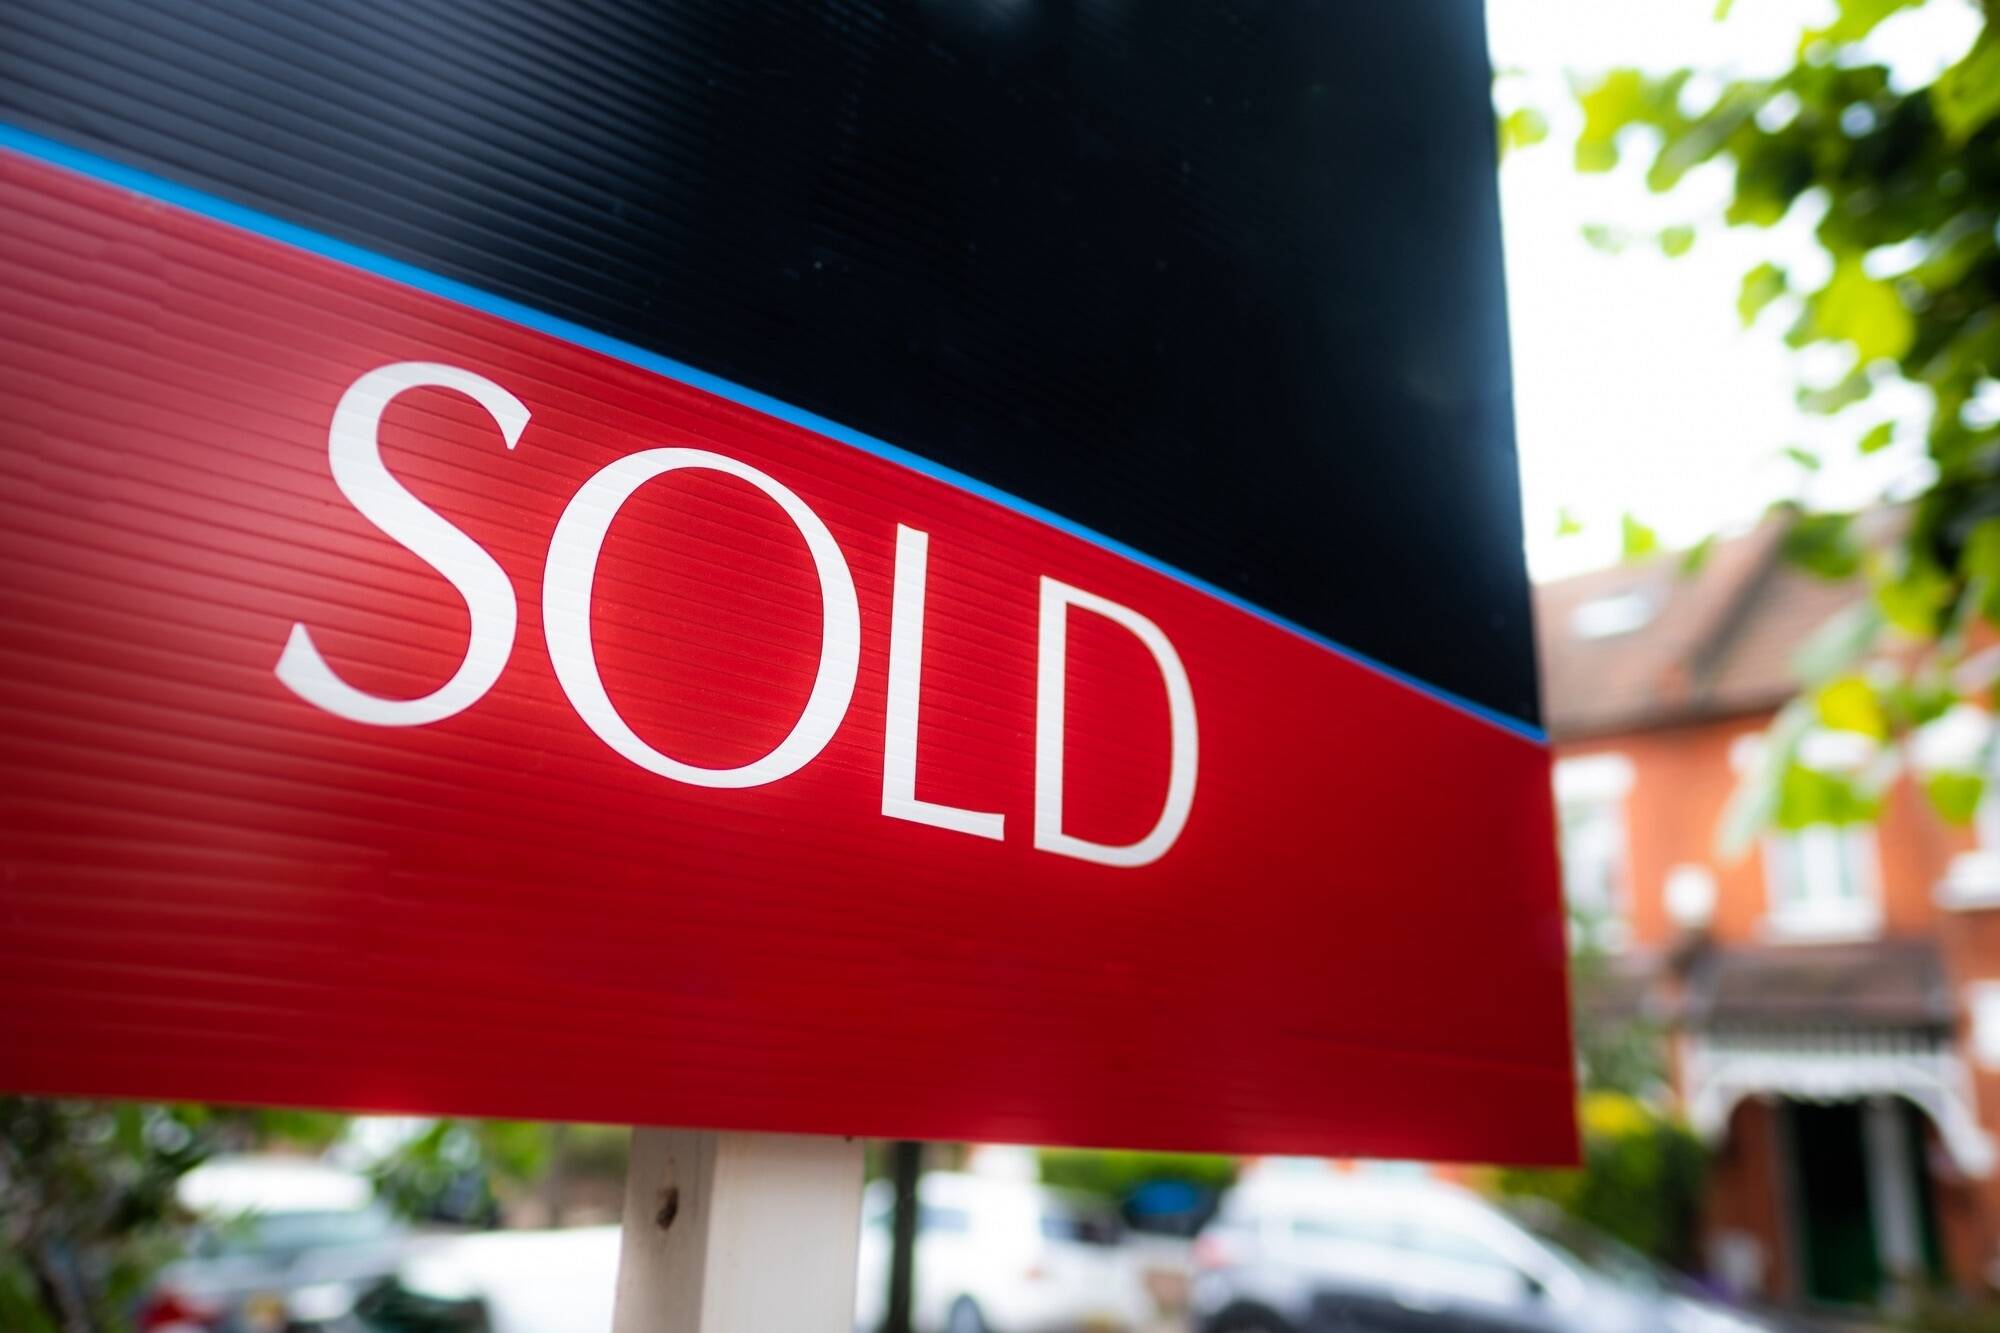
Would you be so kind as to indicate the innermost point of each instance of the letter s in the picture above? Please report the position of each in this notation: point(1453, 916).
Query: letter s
point(356, 455)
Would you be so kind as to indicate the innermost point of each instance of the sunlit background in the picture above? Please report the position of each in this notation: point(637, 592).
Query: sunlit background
point(1637, 388)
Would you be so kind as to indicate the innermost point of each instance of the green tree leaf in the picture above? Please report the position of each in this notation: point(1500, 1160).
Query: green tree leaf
point(1837, 645)
point(1761, 286)
point(1917, 703)
point(1772, 171)
point(1823, 544)
point(1636, 540)
point(1967, 95)
point(1854, 21)
point(1676, 241)
point(1914, 595)
point(1523, 127)
point(1807, 796)
point(1849, 703)
point(1981, 557)
point(1606, 239)
point(1754, 805)
point(1863, 311)
point(1845, 392)
point(1609, 105)
point(1955, 795)
point(1878, 437)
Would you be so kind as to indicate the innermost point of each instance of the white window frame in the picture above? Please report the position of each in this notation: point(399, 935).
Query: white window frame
point(1819, 852)
point(1600, 783)
point(1972, 880)
point(1982, 1008)
point(1958, 741)
point(1986, 818)
point(1816, 859)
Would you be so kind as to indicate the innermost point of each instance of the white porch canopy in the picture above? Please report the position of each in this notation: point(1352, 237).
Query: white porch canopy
point(1721, 1069)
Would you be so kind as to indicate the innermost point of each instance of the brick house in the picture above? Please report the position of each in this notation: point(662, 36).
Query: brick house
point(1831, 997)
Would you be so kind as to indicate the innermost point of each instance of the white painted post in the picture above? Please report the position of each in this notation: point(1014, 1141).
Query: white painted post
point(739, 1233)
point(1892, 1198)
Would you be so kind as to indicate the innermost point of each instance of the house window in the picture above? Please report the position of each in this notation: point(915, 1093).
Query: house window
point(1962, 741)
point(1986, 818)
point(1820, 881)
point(1982, 1002)
point(1590, 801)
point(1609, 617)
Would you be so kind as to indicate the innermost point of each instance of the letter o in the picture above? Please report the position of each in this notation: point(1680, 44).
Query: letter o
point(566, 597)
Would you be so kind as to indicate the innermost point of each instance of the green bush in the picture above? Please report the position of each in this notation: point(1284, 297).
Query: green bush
point(1114, 1175)
point(1640, 1181)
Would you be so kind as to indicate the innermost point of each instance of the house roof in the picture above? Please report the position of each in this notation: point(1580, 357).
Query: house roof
point(1644, 645)
point(1896, 983)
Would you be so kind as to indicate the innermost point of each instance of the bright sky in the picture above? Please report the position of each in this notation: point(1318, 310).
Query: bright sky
point(1636, 389)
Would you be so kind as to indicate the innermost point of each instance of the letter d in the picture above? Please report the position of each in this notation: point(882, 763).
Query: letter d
point(1051, 683)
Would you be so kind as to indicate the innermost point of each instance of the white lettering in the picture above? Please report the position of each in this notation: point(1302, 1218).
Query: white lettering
point(566, 596)
point(1051, 684)
point(355, 451)
point(906, 669)
point(568, 585)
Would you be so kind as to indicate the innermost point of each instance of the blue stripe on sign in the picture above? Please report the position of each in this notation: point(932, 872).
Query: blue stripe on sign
point(249, 219)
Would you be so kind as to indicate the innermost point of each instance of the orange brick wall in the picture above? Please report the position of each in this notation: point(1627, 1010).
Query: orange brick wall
point(1746, 1194)
point(1971, 943)
point(1682, 780)
point(1964, 1217)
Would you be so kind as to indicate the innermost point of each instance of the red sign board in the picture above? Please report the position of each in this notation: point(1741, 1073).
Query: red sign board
point(410, 709)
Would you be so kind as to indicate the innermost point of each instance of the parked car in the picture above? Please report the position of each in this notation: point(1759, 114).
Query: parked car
point(1299, 1252)
point(560, 1281)
point(1001, 1256)
point(281, 1246)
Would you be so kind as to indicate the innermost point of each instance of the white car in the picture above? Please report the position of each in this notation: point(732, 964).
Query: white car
point(1001, 1256)
point(1303, 1251)
point(282, 1243)
point(526, 1281)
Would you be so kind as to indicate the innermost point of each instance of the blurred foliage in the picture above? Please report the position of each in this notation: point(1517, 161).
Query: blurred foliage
point(1939, 1308)
point(1946, 1312)
point(86, 1207)
point(1640, 1180)
point(1907, 181)
point(1642, 1173)
point(466, 1170)
point(1115, 1175)
point(446, 1171)
point(1618, 1049)
point(1636, 540)
point(1523, 128)
point(87, 1189)
point(87, 1210)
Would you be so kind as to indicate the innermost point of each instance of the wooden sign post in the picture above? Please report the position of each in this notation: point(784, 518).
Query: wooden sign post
point(728, 1232)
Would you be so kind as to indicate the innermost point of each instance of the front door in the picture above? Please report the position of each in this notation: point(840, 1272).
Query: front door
point(1844, 1230)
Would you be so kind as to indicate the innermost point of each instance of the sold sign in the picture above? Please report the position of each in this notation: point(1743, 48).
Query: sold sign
point(356, 456)
point(410, 704)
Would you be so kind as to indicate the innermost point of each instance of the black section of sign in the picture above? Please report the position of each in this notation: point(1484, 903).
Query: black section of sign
point(1220, 280)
